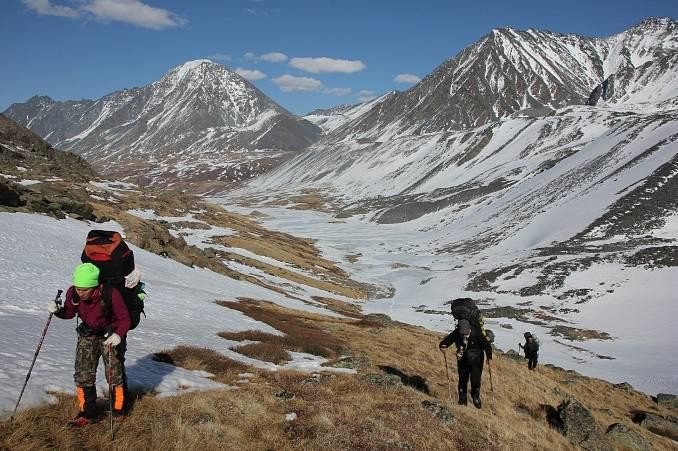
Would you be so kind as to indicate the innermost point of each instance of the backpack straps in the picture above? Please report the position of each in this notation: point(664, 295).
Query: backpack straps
point(107, 300)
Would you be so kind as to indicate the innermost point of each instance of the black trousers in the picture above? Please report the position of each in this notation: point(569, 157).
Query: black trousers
point(472, 369)
point(532, 361)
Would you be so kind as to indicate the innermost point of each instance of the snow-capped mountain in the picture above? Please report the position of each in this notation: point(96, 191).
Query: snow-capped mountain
point(493, 179)
point(199, 122)
point(550, 181)
point(533, 138)
point(510, 70)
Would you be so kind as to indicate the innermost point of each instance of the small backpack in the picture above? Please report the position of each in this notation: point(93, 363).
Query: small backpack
point(109, 252)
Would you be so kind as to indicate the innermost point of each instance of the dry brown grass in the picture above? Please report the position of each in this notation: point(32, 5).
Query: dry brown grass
point(225, 369)
point(346, 309)
point(341, 412)
point(300, 334)
point(268, 352)
point(293, 276)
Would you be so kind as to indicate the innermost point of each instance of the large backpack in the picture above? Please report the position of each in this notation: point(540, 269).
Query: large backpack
point(109, 252)
point(466, 308)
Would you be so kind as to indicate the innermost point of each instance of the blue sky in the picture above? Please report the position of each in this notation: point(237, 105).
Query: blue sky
point(305, 54)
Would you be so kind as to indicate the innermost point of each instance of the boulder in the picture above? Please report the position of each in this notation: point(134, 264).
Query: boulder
point(660, 425)
point(627, 437)
point(9, 196)
point(624, 386)
point(440, 411)
point(384, 380)
point(667, 400)
point(578, 425)
point(284, 395)
point(513, 354)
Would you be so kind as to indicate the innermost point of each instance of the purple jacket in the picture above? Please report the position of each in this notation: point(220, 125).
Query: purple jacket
point(91, 312)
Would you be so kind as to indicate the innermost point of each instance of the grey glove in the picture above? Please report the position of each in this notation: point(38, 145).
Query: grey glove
point(53, 307)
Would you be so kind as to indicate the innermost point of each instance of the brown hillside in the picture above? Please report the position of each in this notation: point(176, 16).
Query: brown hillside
point(398, 399)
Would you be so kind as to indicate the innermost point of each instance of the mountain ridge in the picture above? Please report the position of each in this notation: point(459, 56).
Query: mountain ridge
point(200, 122)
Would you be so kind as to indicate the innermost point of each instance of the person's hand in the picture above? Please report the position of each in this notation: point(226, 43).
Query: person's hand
point(53, 307)
point(489, 363)
point(113, 340)
point(442, 348)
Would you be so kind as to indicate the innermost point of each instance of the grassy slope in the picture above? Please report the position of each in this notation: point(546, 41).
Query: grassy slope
point(342, 411)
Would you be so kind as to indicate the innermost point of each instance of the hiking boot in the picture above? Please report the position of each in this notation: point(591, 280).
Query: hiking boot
point(462, 398)
point(475, 396)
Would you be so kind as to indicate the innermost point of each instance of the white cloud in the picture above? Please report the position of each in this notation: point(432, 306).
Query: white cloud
point(290, 83)
point(274, 57)
point(220, 57)
point(134, 12)
point(323, 64)
point(407, 78)
point(338, 91)
point(366, 96)
point(46, 8)
point(250, 74)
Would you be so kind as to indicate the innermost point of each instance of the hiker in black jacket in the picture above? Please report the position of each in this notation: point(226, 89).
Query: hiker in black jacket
point(531, 348)
point(471, 346)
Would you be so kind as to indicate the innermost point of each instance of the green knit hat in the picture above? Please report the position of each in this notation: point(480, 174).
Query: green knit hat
point(86, 275)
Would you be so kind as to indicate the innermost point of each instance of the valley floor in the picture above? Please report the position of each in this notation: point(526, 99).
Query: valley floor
point(614, 336)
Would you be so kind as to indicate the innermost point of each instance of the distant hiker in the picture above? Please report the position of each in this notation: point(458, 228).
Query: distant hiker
point(472, 345)
point(531, 348)
point(103, 329)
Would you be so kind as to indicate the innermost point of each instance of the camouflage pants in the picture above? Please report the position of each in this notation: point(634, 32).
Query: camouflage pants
point(87, 355)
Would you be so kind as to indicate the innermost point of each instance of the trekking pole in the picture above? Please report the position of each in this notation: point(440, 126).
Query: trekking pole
point(110, 389)
point(447, 372)
point(489, 368)
point(57, 300)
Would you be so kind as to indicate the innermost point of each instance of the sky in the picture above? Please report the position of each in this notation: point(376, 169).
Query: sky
point(304, 54)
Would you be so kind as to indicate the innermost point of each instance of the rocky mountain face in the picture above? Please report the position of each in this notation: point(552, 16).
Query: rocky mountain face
point(35, 177)
point(510, 70)
point(23, 151)
point(200, 123)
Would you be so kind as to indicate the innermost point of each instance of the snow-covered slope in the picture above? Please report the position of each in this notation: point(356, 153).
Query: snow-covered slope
point(199, 122)
point(181, 310)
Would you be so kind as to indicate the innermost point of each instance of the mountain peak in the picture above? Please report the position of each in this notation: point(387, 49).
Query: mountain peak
point(193, 64)
point(194, 67)
point(40, 99)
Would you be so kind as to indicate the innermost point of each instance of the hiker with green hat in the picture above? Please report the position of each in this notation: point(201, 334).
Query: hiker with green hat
point(102, 332)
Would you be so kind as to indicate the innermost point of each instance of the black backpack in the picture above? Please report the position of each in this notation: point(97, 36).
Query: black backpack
point(109, 252)
point(466, 308)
